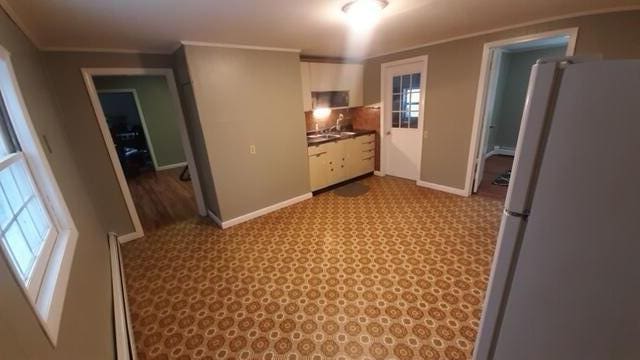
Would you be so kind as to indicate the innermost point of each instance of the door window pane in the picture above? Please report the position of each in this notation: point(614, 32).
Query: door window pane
point(396, 85)
point(396, 103)
point(395, 119)
point(406, 83)
point(405, 107)
point(415, 81)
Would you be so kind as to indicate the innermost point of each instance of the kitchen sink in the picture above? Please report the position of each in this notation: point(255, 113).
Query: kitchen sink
point(319, 137)
point(329, 136)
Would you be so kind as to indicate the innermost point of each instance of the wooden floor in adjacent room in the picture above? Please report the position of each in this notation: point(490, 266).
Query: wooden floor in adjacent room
point(396, 272)
point(162, 199)
point(493, 167)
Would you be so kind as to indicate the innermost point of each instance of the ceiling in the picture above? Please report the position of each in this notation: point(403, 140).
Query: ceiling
point(317, 27)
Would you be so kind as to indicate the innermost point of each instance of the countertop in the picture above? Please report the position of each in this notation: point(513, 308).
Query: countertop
point(358, 132)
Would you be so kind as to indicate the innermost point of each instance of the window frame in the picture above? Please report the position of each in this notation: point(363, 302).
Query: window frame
point(47, 299)
point(35, 276)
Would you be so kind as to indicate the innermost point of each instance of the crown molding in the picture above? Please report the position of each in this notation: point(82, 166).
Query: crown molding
point(238, 46)
point(102, 50)
point(510, 27)
point(11, 13)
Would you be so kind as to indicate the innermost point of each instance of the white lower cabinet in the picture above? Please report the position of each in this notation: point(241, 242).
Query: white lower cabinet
point(340, 160)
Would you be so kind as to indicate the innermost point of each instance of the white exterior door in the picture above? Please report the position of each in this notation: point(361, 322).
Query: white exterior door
point(404, 98)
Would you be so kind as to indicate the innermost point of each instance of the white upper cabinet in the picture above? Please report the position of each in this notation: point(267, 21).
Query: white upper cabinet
point(332, 77)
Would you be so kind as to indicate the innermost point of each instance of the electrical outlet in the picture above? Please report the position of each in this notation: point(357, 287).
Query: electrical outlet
point(252, 149)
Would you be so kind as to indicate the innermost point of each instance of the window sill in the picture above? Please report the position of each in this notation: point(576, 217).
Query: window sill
point(50, 300)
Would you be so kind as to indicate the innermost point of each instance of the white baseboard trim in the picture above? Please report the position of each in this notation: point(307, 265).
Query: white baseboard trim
point(124, 338)
point(500, 151)
point(443, 188)
point(378, 173)
point(260, 212)
point(172, 166)
point(130, 236)
point(215, 218)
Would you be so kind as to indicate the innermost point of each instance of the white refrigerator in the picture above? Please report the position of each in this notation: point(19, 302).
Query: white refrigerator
point(565, 280)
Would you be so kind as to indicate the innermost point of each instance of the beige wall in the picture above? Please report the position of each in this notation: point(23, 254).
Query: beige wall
point(251, 97)
point(86, 329)
point(452, 81)
point(79, 120)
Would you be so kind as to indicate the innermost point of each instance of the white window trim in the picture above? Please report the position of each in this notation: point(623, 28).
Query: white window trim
point(50, 298)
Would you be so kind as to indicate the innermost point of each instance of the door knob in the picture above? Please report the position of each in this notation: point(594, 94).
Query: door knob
point(388, 132)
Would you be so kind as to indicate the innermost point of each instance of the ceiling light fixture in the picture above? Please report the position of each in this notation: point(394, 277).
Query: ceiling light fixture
point(363, 14)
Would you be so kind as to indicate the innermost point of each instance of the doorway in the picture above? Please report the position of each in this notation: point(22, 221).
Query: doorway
point(141, 120)
point(402, 120)
point(502, 94)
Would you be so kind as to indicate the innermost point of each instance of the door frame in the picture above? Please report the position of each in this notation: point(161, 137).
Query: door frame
point(384, 69)
point(88, 74)
point(478, 128)
point(136, 99)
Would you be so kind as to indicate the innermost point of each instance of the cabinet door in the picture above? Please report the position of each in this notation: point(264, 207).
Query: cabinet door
point(336, 162)
point(338, 77)
point(353, 79)
point(318, 171)
point(352, 157)
point(325, 77)
point(305, 72)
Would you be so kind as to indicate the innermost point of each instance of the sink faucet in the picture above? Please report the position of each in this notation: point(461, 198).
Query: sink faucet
point(338, 120)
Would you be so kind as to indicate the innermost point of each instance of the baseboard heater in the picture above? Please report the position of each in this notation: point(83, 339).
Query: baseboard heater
point(124, 340)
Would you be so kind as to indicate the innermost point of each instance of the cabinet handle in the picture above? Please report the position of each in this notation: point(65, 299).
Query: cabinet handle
point(330, 162)
point(331, 169)
point(369, 158)
point(370, 150)
point(341, 166)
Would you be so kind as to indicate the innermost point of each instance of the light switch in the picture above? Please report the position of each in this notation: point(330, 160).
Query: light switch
point(252, 149)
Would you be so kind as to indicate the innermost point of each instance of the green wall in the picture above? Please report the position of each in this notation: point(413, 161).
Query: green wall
point(159, 113)
point(510, 102)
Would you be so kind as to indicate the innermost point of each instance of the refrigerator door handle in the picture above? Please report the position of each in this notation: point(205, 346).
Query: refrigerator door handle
point(523, 215)
point(531, 138)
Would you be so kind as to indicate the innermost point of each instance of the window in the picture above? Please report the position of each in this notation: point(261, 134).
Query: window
point(405, 110)
point(37, 234)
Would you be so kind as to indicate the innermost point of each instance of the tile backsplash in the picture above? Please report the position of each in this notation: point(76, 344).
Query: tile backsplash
point(361, 117)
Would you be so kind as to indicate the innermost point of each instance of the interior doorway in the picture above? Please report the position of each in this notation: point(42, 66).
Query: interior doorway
point(502, 94)
point(402, 120)
point(141, 120)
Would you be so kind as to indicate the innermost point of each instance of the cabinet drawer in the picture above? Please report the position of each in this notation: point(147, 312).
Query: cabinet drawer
point(366, 165)
point(364, 153)
point(317, 149)
point(367, 139)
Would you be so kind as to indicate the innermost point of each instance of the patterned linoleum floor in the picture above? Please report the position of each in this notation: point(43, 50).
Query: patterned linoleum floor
point(397, 273)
